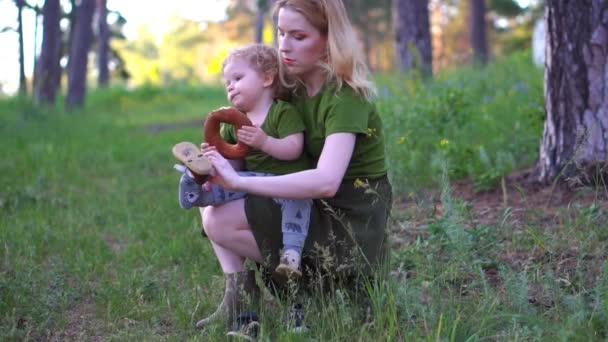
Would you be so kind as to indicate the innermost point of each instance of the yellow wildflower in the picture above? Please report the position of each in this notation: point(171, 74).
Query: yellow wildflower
point(444, 142)
point(371, 132)
point(359, 183)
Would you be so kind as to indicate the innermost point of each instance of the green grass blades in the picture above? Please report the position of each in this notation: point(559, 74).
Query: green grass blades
point(485, 122)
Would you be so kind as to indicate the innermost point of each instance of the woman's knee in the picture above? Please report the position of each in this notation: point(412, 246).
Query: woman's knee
point(216, 224)
point(210, 222)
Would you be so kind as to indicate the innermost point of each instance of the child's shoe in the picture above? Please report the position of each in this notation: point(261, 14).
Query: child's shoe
point(290, 264)
point(191, 156)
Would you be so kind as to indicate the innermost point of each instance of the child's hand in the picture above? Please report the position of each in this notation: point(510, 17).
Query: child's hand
point(252, 136)
point(206, 146)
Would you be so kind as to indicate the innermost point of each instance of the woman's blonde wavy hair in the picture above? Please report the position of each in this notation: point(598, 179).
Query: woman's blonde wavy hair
point(345, 62)
point(265, 60)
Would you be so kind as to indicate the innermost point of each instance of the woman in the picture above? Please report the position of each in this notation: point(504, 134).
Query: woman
point(344, 137)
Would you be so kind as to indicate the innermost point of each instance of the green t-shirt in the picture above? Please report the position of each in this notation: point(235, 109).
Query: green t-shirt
point(345, 112)
point(282, 120)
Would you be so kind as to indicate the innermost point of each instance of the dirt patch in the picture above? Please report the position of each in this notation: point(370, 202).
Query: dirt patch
point(113, 243)
point(519, 208)
point(82, 323)
point(513, 194)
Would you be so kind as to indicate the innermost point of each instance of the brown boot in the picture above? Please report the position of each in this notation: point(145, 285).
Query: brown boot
point(241, 291)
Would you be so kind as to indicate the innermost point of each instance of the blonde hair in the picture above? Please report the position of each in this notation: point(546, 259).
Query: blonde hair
point(265, 60)
point(345, 62)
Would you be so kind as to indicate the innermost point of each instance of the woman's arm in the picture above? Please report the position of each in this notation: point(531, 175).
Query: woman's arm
point(320, 182)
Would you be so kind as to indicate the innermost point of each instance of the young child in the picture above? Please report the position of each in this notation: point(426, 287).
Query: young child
point(251, 76)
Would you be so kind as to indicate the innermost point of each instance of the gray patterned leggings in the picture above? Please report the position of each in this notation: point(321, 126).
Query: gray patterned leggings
point(295, 212)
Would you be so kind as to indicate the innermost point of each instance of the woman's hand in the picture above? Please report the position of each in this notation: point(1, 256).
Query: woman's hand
point(253, 136)
point(224, 174)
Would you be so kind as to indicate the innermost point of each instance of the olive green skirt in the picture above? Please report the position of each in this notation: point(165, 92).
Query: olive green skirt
point(347, 234)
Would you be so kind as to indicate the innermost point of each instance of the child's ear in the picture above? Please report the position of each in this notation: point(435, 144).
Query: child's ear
point(268, 79)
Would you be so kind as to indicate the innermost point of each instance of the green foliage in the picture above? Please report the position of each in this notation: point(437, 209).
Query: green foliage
point(89, 223)
point(460, 280)
point(486, 122)
point(508, 8)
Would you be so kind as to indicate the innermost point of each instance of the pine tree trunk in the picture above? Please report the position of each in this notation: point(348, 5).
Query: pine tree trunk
point(413, 35)
point(70, 36)
point(22, 79)
point(478, 31)
point(575, 138)
point(79, 51)
point(259, 20)
point(48, 70)
point(102, 41)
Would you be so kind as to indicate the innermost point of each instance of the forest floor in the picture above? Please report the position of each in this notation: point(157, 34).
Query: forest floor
point(518, 196)
point(550, 216)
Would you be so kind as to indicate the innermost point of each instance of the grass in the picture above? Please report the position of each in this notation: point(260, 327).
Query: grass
point(486, 123)
point(94, 245)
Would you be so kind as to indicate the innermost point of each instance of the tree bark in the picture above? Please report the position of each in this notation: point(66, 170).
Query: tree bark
point(103, 39)
point(48, 70)
point(478, 31)
point(70, 36)
point(575, 138)
point(413, 35)
point(259, 20)
point(36, 22)
point(22, 79)
point(79, 50)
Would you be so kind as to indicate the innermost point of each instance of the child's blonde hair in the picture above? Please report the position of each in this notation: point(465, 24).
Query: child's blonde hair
point(345, 59)
point(263, 59)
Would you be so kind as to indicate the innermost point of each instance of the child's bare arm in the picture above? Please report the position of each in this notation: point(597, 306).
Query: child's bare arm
point(287, 148)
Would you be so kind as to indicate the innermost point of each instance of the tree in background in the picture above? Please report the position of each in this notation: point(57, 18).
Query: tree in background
point(141, 57)
point(450, 42)
point(72, 17)
point(262, 8)
point(22, 80)
point(48, 70)
point(575, 138)
point(512, 25)
point(79, 50)
point(372, 20)
point(478, 31)
point(413, 35)
point(180, 52)
point(103, 38)
point(114, 60)
point(508, 29)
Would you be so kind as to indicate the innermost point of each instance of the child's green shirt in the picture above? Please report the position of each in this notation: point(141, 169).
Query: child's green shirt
point(282, 120)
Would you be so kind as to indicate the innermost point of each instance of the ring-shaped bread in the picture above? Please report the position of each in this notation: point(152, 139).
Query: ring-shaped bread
point(212, 131)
